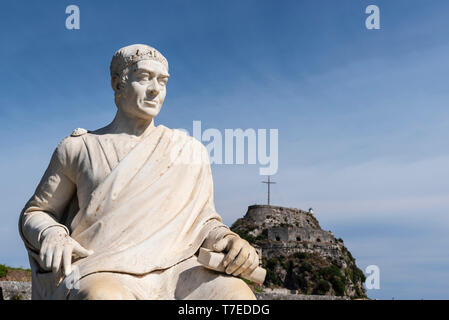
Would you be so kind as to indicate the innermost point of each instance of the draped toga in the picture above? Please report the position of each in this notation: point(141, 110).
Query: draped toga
point(140, 212)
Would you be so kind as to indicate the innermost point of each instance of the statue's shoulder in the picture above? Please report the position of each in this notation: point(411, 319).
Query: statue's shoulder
point(184, 135)
point(191, 142)
point(72, 143)
point(181, 133)
point(78, 132)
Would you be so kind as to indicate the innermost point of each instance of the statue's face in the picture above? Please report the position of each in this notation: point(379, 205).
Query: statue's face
point(145, 90)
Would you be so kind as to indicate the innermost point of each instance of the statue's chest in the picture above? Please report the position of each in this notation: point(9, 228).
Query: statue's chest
point(98, 159)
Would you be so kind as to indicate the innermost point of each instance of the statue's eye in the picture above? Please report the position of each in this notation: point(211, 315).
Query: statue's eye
point(143, 76)
point(163, 81)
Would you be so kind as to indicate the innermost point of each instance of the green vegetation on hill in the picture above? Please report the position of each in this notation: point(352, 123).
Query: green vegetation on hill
point(3, 270)
point(307, 273)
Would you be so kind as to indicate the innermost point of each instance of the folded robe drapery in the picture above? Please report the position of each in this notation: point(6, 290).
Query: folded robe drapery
point(152, 211)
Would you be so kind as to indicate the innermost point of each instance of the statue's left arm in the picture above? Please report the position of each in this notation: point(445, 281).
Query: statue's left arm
point(240, 256)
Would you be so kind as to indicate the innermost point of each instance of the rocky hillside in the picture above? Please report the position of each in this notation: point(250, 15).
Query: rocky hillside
point(298, 254)
point(14, 274)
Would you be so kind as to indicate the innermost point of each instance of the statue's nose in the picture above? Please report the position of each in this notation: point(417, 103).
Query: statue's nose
point(153, 88)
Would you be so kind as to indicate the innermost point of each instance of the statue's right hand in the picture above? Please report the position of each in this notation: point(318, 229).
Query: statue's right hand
point(57, 248)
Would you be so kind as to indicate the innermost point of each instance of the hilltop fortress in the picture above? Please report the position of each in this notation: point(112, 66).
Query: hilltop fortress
point(298, 254)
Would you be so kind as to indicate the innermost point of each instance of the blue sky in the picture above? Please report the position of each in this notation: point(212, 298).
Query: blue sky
point(362, 114)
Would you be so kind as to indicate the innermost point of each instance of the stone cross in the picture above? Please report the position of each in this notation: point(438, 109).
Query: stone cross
point(268, 184)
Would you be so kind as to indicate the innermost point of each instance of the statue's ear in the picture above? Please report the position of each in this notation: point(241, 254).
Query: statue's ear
point(115, 83)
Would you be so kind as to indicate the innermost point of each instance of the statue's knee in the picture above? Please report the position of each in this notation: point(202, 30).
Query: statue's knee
point(243, 291)
point(102, 288)
point(234, 288)
point(107, 291)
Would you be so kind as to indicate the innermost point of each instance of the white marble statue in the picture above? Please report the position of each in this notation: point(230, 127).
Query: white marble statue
point(121, 211)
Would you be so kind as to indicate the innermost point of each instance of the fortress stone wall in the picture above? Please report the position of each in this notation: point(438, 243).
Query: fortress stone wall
point(299, 234)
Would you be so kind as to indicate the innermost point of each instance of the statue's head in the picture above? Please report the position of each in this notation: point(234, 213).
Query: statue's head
point(139, 75)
